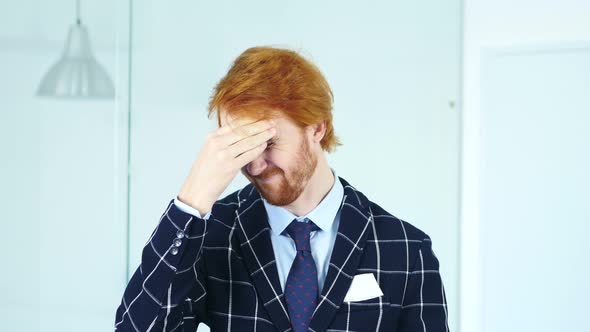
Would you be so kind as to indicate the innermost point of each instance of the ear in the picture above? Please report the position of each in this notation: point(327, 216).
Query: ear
point(318, 131)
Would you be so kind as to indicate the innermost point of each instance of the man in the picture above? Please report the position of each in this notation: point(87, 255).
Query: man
point(297, 249)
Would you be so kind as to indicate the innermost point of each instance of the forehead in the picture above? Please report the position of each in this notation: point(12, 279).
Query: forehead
point(226, 117)
point(277, 117)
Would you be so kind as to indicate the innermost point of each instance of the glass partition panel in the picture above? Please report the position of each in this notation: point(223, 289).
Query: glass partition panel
point(63, 170)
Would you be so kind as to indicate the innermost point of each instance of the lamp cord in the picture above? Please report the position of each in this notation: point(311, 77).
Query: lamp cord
point(78, 20)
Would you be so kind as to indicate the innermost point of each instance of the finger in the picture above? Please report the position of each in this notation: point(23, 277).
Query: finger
point(235, 135)
point(246, 157)
point(250, 142)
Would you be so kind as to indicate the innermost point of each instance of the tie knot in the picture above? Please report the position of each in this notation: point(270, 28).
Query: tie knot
point(299, 232)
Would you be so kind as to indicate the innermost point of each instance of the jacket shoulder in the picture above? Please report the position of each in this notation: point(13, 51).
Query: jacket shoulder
point(390, 226)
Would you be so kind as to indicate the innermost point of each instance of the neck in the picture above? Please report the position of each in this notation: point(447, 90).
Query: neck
point(317, 188)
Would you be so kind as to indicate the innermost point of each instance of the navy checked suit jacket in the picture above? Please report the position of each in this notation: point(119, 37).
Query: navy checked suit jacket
point(223, 273)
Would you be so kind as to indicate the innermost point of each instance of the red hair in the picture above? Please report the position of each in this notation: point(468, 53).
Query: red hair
point(265, 80)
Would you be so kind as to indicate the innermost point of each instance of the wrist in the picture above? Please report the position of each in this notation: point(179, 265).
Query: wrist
point(195, 203)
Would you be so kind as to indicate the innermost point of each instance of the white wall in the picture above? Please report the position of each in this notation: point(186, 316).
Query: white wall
point(394, 70)
point(532, 29)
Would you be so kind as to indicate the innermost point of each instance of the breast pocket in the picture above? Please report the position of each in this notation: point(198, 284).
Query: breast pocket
point(375, 303)
point(362, 316)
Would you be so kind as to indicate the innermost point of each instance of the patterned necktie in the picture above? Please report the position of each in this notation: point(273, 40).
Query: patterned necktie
point(301, 289)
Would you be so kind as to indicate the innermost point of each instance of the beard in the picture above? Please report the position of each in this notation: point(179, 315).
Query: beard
point(283, 190)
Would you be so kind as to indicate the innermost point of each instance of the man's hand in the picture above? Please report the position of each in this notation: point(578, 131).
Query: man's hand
point(225, 152)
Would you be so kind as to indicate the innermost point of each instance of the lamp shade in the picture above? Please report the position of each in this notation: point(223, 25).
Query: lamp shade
point(77, 74)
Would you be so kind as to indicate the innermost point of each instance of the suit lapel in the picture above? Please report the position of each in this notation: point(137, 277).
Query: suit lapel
point(254, 237)
point(355, 218)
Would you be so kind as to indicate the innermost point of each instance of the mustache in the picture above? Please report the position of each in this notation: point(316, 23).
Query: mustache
point(268, 173)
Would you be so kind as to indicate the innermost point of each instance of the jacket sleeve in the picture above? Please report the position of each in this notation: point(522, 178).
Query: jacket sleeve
point(168, 288)
point(424, 308)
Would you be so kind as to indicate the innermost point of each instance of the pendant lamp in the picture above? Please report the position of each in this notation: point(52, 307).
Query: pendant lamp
point(77, 74)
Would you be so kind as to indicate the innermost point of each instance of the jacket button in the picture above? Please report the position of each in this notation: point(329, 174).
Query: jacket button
point(180, 234)
point(177, 242)
point(174, 251)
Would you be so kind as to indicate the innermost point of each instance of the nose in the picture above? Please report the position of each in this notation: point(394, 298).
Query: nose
point(257, 166)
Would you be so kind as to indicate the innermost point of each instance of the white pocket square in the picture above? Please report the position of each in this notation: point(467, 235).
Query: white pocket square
point(363, 287)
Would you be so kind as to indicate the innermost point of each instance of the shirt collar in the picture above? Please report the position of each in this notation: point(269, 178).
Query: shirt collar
point(322, 215)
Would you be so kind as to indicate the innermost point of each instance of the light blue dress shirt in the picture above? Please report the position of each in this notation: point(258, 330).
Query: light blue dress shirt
point(326, 215)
